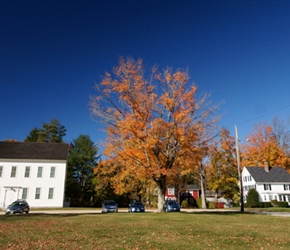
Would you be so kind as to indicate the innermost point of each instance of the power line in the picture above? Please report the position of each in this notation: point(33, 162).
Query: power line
point(264, 115)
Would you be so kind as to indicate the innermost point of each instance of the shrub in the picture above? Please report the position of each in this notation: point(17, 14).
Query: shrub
point(274, 203)
point(154, 204)
point(236, 200)
point(212, 205)
point(253, 198)
point(199, 202)
point(282, 204)
point(184, 204)
point(265, 204)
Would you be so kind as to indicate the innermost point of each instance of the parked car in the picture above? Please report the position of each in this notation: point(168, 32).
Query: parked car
point(172, 206)
point(109, 206)
point(136, 206)
point(18, 206)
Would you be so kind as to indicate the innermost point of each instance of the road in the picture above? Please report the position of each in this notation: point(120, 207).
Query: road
point(123, 210)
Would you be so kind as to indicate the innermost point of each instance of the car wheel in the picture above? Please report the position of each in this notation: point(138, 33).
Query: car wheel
point(21, 211)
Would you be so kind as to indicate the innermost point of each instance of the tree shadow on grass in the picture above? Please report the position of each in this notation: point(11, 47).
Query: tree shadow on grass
point(39, 215)
point(216, 212)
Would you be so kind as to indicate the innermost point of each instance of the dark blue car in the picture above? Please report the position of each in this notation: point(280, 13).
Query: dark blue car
point(19, 206)
point(171, 206)
point(136, 206)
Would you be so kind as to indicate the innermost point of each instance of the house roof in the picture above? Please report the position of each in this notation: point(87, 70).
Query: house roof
point(191, 187)
point(33, 150)
point(275, 174)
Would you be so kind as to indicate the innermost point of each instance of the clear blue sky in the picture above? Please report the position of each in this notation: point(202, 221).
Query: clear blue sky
point(53, 52)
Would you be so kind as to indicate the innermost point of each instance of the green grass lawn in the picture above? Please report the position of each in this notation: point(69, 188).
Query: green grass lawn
point(145, 231)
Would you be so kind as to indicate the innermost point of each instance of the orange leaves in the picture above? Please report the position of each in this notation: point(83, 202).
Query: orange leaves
point(167, 102)
point(181, 77)
point(154, 121)
point(263, 146)
point(168, 77)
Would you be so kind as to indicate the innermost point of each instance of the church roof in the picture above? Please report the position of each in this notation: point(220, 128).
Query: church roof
point(33, 150)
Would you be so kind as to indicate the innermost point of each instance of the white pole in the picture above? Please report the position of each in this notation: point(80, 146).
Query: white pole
point(239, 170)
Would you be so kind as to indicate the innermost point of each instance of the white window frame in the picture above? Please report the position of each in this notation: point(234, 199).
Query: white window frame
point(39, 172)
point(27, 172)
point(13, 171)
point(24, 193)
point(52, 172)
point(282, 197)
point(37, 193)
point(50, 193)
point(170, 191)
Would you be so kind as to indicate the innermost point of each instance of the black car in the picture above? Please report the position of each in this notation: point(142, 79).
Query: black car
point(136, 206)
point(19, 206)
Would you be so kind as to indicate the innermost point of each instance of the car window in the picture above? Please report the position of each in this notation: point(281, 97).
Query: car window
point(110, 203)
point(137, 203)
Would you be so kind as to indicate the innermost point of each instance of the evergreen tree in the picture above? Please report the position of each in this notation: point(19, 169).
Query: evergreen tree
point(50, 132)
point(253, 198)
point(33, 135)
point(82, 160)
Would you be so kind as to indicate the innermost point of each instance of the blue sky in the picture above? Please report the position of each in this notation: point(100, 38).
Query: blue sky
point(53, 52)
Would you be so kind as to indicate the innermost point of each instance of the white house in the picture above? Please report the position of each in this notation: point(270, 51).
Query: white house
point(272, 183)
point(33, 171)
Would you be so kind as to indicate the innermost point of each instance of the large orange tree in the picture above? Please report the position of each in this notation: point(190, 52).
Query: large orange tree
point(156, 124)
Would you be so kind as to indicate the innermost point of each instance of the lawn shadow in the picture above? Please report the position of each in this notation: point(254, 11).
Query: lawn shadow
point(42, 214)
point(215, 212)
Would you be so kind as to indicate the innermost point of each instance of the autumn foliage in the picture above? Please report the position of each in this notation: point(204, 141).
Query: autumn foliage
point(263, 146)
point(155, 123)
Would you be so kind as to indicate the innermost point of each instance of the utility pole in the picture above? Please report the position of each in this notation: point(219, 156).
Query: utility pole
point(239, 170)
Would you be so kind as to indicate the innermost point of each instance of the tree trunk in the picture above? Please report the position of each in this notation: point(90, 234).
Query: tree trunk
point(161, 188)
point(202, 186)
point(216, 195)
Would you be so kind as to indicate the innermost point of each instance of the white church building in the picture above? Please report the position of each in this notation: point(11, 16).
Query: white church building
point(33, 171)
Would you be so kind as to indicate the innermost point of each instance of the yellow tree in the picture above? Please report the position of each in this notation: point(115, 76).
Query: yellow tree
point(155, 122)
point(263, 146)
point(222, 173)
